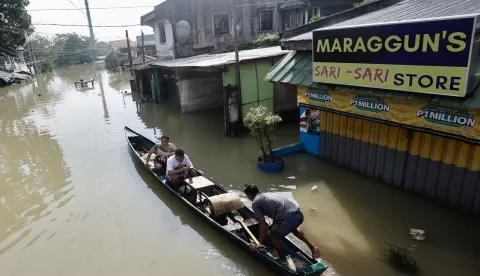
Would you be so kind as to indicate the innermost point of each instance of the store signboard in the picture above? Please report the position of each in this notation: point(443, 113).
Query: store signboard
point(430, 56)
point(455, 120)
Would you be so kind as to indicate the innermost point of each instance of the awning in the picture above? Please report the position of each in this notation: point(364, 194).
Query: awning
point(204, 62)
point(296, 69)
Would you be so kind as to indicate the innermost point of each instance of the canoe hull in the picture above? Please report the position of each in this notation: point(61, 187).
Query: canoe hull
point(271, 263)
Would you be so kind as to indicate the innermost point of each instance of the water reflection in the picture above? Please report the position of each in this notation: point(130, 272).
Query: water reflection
point(33, 172)
point(102, 93)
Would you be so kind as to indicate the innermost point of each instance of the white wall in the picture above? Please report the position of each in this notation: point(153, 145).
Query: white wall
point(164, 49)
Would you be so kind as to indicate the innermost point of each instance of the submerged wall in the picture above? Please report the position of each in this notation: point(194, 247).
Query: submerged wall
point(442, 168)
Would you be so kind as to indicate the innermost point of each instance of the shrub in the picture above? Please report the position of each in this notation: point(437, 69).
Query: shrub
point(364, 2)
point(261, 124)
point(314, 18)
point(112, 63)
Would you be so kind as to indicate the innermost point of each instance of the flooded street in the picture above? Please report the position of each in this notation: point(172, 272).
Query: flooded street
point(74, 202)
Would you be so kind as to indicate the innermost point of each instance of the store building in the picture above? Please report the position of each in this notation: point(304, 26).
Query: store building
point(391, 90)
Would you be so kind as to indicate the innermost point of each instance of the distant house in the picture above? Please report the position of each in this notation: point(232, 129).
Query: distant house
point(186, 28)
point(121, 47)
point(150, 45)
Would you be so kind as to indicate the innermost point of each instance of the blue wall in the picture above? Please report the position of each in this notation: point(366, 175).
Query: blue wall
point(309, 140)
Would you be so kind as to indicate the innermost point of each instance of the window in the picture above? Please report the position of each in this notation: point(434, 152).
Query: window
point(286, 21)
point(221, 24)
point(163, 37)
point(299, 17)
point(266, 20)
point(310, 13)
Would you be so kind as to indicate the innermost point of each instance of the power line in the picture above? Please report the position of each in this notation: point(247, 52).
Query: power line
point(82, 25)
point(96, 8)
point(86, 16)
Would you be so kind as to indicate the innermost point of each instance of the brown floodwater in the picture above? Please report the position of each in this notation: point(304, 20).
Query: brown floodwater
point(73, 202)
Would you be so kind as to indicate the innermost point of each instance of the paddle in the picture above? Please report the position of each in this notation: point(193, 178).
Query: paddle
point(260, 247)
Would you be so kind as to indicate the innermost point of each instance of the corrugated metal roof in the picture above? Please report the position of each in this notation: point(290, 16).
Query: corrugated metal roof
point(212, 60)
point(405, 11)
point(296, 68)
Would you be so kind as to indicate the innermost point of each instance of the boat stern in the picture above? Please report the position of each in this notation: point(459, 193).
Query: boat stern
point(314, 270)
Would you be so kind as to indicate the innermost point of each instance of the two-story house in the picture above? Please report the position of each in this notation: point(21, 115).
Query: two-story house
point(191, 27)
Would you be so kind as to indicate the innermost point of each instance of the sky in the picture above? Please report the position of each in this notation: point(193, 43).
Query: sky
point(99, 17)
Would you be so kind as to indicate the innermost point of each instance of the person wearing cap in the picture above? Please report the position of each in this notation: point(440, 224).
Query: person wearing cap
point(286, 216)
point(162, 151)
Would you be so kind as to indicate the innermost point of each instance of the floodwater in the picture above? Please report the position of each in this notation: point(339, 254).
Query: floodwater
point(73, 201)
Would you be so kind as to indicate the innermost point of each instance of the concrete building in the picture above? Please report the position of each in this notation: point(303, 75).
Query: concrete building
point(200, 26)
point(417, 135)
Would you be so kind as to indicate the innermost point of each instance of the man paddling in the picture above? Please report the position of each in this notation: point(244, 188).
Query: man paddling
point(286, 216)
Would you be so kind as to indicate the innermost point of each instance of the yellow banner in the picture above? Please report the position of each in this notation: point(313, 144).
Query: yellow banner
point(454, 120)
point(438, 80)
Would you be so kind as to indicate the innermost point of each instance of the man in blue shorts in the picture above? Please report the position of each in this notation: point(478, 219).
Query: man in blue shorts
point(179, 168)
point(286, 216)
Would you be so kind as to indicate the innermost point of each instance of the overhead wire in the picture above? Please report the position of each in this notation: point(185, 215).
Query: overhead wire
point(91, 8)
point(84, 25)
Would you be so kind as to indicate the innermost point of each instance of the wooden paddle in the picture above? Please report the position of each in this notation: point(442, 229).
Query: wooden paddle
point(239, 219)
point(260, 246)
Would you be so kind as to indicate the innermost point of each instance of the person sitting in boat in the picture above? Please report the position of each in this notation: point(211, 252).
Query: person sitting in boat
point(287, 218)
point(179, 168)
point(162, 151)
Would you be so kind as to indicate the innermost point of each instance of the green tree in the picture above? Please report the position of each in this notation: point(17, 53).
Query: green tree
point(14, 19)
point(102, 48)
point(43, 47)
point(112, 63)
point(71, 48)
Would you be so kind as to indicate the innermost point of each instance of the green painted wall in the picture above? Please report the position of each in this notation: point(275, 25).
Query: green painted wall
point(255, 90)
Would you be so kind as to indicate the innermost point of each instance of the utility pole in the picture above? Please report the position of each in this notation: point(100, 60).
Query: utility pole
point(92, 36)
point(237, 62)
point(129, 53)
point(143, 47)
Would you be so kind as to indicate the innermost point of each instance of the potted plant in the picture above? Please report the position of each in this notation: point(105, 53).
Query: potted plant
point(261, 124)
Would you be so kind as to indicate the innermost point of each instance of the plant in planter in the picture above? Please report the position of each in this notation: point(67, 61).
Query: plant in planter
point(261, 124)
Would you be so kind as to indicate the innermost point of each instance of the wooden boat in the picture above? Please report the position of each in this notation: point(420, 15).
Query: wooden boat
point(204, 187)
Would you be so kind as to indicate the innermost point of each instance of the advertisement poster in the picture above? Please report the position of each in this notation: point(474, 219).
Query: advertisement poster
point(310, 121)
point(449, 119)
point(430, 56)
